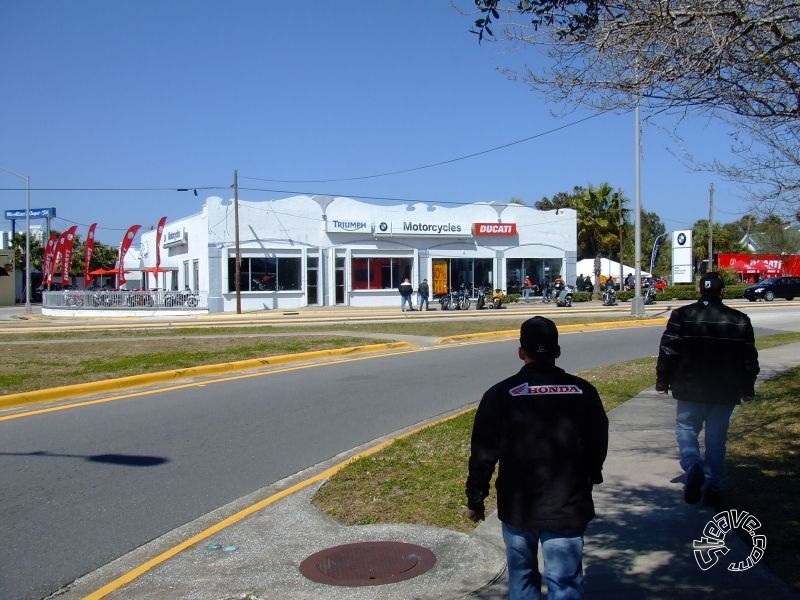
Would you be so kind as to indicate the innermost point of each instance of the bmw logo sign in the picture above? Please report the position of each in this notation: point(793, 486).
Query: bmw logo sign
point(383, 226)
point(681, 239)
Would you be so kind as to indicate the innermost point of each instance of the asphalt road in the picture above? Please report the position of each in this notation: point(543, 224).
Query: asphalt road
point(86, 485)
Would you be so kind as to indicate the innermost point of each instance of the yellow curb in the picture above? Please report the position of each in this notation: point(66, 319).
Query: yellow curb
point(572, 327)
point(120, 383)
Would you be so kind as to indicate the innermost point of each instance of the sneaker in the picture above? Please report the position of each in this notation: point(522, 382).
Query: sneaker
point(693, 490)
point(714, 499)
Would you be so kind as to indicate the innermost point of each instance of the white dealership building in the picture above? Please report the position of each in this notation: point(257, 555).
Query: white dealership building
point(327, 251)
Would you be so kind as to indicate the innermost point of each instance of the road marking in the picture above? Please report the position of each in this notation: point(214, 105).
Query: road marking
point(493, 337)
point(149, 565)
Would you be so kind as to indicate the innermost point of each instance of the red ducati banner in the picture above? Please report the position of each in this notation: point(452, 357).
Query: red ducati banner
point(88, 250)
point(123, 250)
point(159, 233)
point(69, 243)
point(58, 255)
point(47, 259)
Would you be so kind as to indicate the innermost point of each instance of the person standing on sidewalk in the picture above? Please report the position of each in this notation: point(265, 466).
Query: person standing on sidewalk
point(424, 293)
point(406, 290)
point(548, 431)
point(709, 360)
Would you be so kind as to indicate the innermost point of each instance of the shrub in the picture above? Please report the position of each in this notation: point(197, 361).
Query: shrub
point(581, 296)
point(684, 291)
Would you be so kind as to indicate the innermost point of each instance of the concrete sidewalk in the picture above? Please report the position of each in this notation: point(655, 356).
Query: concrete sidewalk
point(639, 547)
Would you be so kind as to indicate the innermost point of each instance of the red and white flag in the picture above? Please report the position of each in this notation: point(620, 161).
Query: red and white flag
point(66, 262)
point(47, 259)
point(159, 232)
point(88, 251)
point(123, 250)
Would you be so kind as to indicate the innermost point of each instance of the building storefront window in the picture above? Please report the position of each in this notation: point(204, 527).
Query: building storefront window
point(379, 273)
point(312, 280)
point(537, 268)
point(266, 274)
point(452, 273)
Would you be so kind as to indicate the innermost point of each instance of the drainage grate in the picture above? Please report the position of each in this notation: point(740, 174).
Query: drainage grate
point(367, 563)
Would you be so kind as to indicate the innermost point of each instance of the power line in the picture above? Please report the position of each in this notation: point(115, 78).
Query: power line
point(435, 164)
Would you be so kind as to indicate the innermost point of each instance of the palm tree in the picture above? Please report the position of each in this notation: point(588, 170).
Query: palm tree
point(599, 224)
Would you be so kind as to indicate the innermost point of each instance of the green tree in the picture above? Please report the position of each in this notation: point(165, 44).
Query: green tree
point(102, 257)
point(735, 61)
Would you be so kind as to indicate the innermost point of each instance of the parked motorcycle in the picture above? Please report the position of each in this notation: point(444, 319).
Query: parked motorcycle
point(609, 297)
point(458, 300)
point(139, 298)
point(564, 297)
point(496, 300)
point(650, 295)
point(185, 298)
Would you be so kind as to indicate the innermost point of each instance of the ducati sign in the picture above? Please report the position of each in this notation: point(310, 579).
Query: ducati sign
point(483, 229)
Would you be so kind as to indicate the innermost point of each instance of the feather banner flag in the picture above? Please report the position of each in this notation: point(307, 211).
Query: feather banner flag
point(66, 261)
point(123, 250)
point(88, 251)
point(47, 259)
point(159, 232)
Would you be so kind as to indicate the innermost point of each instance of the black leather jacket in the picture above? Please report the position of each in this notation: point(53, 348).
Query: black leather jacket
point(549, 433)
point(708, 354)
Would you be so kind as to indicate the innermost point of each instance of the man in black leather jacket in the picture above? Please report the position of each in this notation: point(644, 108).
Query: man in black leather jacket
point(549, 432)
point(709, 360)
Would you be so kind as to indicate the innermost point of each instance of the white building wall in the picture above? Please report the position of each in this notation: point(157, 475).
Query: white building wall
point(331, 229)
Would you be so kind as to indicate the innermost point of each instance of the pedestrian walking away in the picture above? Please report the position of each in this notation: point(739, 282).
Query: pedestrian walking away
point(708, 360)
point(406, 290)
point(547, 432)
point(423, 293)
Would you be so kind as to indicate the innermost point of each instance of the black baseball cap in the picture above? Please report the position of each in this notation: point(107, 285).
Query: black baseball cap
point(711, 283)
point(538, 337)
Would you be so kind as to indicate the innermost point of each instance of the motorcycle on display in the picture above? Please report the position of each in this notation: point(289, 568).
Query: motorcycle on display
point(609, 297)
point(650, 294)
point(564, 297)
point(458, 300)
point(185, 298)
point(496, 301)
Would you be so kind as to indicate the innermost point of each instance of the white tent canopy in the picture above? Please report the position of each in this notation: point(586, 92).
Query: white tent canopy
point(607, 267)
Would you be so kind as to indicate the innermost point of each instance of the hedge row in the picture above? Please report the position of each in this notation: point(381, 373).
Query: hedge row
point(673, 292)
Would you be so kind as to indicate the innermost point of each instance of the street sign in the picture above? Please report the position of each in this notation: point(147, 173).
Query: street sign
point(35, 213)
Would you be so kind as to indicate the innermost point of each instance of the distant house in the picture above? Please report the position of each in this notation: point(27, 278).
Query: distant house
point(784, 241)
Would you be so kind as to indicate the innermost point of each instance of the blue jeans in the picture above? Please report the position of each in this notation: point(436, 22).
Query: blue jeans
point(423, 300)
point(526, 294)
point(561, 553)
point(691, 418)
point(406, 300)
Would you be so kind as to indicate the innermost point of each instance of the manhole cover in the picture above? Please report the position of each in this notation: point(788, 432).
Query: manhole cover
point(368, 563)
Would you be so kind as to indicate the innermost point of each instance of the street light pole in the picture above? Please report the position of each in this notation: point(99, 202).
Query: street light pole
point(27, 180)
point(238, 259)
point(637, 303)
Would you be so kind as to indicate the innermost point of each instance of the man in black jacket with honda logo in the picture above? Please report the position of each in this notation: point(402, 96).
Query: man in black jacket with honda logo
point(548, 431)
point(709, 360)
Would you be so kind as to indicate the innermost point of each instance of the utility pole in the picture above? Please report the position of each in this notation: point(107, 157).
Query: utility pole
point(710, 228)
point(621, 226)
point(637, 302)
point(238, 259)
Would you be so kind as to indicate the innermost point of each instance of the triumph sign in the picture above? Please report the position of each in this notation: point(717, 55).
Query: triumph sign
point(347, 226)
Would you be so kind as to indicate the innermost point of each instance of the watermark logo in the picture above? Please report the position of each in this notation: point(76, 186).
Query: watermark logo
point(709, 548)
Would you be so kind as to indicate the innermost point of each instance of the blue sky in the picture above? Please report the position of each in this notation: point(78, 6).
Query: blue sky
point(145, 97)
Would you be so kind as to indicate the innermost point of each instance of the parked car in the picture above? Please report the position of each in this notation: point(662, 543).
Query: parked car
point(774, 287)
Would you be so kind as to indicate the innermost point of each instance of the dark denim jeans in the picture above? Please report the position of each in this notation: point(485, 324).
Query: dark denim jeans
point(561, 554)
